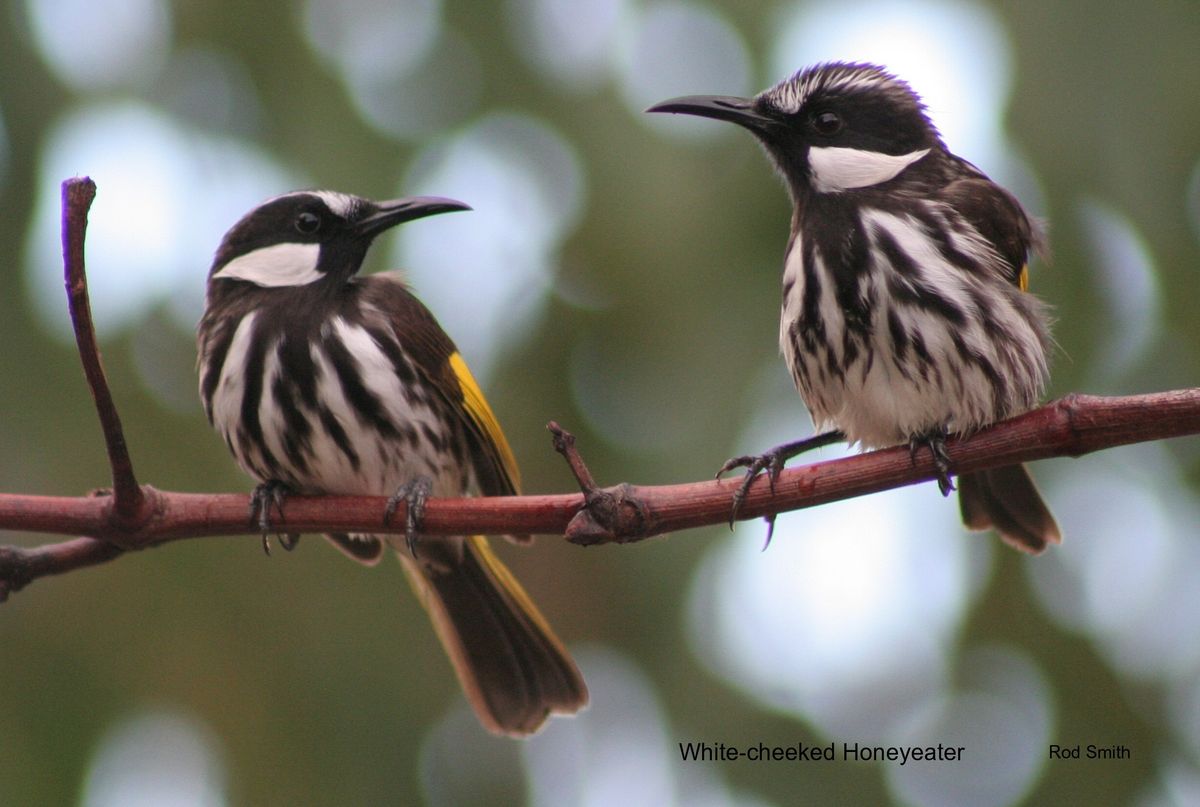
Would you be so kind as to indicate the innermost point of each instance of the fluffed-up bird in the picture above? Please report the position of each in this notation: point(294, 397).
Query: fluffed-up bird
point(905, 313)
point(324, 381)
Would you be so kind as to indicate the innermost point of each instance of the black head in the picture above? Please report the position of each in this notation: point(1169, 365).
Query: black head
point(304, 237)
point(829, 128)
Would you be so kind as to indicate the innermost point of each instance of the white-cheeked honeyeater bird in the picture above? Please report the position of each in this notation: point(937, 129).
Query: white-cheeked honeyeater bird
point(322, 381)
point(905, 314)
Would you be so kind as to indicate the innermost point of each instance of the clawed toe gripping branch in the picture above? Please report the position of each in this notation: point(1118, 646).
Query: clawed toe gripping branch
point(772, 462)
point(134, 516)
point(265, 499)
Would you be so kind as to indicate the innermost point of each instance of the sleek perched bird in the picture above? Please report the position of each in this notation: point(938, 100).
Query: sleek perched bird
point(321, 381)
point(905, 315)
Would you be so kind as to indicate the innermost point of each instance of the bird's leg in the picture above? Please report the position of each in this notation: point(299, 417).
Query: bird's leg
point(266, 495)
point(413, 493)
point(772, 462)
point(936, 441)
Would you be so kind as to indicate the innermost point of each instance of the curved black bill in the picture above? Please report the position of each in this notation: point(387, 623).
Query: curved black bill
point(397, 211)
point(719, 107)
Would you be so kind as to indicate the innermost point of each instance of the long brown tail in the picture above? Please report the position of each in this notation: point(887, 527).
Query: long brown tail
point(514, 670)
point(1006, 499)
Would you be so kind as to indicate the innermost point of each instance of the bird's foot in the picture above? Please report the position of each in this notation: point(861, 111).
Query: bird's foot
point(936, 442)
point(771, 461)
point(264, 497)
point(413, 494)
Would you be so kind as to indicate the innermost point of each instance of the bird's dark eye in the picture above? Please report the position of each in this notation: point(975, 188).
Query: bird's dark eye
point(308, 223)
point(827, 123)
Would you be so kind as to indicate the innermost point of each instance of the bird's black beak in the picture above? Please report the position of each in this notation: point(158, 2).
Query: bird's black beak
point(397, 211)
point(719, 107)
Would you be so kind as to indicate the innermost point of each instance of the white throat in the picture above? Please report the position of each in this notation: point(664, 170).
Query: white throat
point(278, 265)
point(838, 169)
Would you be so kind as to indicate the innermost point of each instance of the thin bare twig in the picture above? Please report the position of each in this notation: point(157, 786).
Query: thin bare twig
point(564, 444)
point(19, 567)
point(77, 196)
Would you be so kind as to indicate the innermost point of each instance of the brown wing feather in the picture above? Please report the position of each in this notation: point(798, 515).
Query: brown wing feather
point(999, 218)
point(441, 366)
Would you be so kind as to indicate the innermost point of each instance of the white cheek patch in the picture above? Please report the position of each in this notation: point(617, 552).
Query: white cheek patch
point(838, 169)
point(278, 265)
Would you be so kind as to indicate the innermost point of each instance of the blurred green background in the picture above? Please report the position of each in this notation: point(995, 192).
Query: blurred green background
point(619, 274)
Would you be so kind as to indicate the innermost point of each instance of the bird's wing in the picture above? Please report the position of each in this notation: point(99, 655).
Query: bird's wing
point(440, 364)
point(999, 218)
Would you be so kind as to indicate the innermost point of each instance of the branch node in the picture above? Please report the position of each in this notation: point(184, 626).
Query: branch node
point(125, 529)
point(608, 515)
point(1069, 405)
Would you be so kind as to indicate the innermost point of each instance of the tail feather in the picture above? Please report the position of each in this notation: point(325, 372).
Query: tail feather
point(1007, 499)
point(366, 549)
point(514, 670)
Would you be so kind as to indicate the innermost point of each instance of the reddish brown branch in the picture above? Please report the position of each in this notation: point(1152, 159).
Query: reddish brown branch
point(1072, 426)
point(77, 196)
point(137, 518)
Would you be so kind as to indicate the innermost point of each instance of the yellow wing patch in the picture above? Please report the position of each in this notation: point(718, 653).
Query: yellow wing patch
point(477, 407)
point(1022, 280)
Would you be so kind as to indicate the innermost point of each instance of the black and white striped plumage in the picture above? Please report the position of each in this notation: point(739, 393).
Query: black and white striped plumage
point(904, 313)
point(326, 382)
